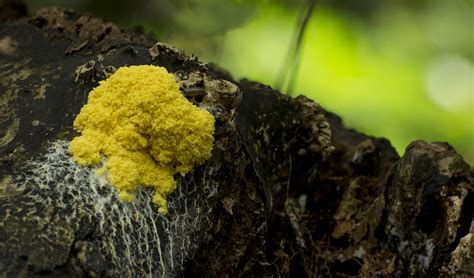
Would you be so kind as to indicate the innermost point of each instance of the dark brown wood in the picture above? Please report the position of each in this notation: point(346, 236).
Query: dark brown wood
point(289, 190)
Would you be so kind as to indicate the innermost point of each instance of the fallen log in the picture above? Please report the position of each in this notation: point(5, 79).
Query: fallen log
point(288, 191)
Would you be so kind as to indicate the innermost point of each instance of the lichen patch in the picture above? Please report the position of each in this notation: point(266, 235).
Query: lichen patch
point(41, 93)
point(9, 134)
point(8, 46)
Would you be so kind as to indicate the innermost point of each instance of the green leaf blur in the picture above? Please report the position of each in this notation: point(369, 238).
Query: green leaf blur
point(402, 69)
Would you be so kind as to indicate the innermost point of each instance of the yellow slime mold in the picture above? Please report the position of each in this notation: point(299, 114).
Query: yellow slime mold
point(144, 130)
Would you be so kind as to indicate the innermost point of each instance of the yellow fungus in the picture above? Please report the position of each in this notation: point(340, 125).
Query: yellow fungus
point(144, 131)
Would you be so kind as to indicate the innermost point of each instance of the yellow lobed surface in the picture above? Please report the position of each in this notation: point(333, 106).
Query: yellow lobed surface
point(139, 125)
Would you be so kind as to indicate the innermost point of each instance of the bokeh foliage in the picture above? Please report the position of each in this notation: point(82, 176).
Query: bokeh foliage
point(399, 69)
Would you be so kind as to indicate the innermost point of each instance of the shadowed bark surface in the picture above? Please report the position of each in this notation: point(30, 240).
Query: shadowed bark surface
point(289, 190)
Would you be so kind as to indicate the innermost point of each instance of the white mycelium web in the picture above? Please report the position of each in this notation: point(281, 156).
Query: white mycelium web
point(132, 237)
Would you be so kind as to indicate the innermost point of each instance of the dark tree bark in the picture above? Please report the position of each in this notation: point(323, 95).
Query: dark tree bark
point(289, 190)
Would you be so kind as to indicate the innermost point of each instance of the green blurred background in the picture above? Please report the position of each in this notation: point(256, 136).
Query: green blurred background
point(402, 69)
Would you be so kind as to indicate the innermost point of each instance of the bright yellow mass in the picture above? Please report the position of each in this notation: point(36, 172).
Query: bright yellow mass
point(142, 130)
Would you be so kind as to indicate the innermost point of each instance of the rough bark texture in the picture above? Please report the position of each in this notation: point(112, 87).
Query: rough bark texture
point(289, 191)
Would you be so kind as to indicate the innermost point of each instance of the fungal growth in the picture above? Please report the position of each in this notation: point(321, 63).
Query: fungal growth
point(141, 130)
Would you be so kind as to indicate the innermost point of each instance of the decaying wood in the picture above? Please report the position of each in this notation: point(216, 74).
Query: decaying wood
point(289, 190)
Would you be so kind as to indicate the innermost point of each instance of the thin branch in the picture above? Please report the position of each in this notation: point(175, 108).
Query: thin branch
point(294, 51)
